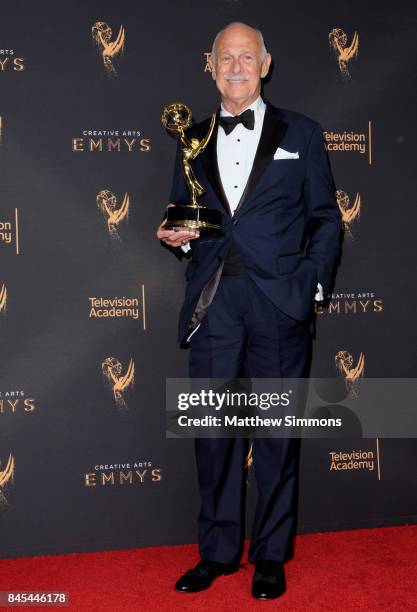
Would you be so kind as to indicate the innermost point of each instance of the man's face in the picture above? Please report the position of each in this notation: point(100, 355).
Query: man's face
point(238, 68)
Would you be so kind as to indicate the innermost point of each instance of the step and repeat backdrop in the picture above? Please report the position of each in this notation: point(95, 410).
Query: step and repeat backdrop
point(89, 299)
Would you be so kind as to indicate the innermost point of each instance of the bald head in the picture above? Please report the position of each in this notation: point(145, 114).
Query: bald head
point(241, 29)
point(238, 62)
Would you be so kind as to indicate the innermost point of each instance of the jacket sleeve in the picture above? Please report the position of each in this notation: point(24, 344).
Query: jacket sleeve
point(324, 221)
point(179, 194)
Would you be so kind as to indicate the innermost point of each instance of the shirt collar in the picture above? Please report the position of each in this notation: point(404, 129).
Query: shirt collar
point(258, 106)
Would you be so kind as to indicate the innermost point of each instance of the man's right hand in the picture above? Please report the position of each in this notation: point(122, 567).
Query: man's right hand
point(173, 237)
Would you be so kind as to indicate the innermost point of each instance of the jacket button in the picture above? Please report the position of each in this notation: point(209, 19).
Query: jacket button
point(235, 221)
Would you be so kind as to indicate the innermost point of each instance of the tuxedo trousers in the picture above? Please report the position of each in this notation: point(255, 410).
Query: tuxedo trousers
point(243, 334)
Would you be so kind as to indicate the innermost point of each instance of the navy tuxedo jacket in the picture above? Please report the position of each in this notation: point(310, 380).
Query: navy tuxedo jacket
point(287, 226)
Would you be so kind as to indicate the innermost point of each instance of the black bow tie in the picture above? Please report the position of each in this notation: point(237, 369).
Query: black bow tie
point(229, 123)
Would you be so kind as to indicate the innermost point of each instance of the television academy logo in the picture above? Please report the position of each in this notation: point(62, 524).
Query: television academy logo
point(356, 460)
point(9, 235)
point(349, 142)
point(107, 203)
point(9, 61)
point(350, 213)
point(108, 49)
point(351, 373)
point(6, 476)
point(344, 52)
point(112, 368)
point(116, 307)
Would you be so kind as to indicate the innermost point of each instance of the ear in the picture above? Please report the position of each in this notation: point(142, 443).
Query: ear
point(266, 62)
point(212, 68)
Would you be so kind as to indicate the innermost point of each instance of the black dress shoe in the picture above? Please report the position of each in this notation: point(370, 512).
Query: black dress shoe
point(202, 575)
point(268, 580)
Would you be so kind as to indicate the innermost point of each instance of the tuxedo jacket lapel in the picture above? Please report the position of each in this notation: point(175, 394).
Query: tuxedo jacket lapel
point(273, 130)
point(211, 168)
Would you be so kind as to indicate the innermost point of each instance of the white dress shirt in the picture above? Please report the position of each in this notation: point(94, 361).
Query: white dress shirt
point(235, 156)
point(236, 153)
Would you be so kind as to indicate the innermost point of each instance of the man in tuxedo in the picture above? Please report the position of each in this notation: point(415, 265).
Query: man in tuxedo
point(249, 301)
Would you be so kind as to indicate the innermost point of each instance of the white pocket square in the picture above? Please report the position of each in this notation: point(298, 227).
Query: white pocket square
point(283, 154)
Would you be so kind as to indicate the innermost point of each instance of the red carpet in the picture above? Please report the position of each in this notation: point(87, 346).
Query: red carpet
point(370, 569)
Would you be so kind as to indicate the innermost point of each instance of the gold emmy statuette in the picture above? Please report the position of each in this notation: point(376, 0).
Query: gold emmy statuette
point(176, 118)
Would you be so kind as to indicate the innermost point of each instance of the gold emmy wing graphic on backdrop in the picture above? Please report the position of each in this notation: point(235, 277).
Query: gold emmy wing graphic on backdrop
point(344, 53)
point(3, 298)
point(5, 476)
point(344, 364)
point(102, 33)
point(249, 457)
point(107, 201)
point(349, 214)
point(112, 369)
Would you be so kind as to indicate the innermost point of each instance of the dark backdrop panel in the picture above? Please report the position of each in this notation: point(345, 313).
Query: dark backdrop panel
point(80, 470)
